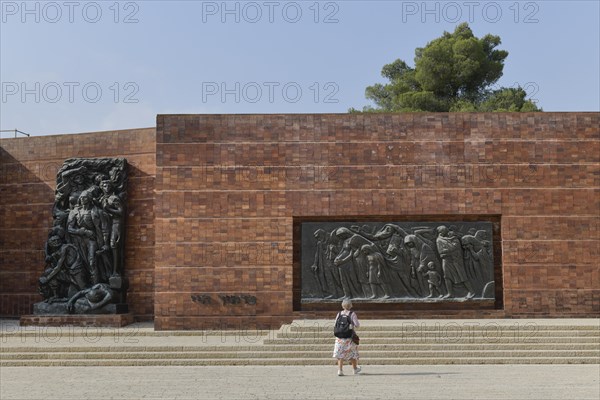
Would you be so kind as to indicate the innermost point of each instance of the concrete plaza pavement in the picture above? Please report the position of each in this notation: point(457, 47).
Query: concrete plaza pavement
point(481, 382)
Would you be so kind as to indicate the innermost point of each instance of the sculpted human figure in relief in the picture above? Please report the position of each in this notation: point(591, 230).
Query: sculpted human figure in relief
point(421, 261)
point(85, 244)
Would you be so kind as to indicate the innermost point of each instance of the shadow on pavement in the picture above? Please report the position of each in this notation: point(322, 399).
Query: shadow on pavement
point(409, 373)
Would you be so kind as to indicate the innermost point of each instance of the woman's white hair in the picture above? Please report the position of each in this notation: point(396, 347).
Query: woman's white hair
point(346, 304)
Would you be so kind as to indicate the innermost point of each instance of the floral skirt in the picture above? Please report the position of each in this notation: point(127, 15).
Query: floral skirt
point(345, 349)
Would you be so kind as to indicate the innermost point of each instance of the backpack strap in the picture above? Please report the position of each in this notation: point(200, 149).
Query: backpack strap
point(339, 314)
point(348, 315)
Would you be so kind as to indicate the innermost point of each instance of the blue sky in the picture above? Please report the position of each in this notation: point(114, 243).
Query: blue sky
point(81, 66)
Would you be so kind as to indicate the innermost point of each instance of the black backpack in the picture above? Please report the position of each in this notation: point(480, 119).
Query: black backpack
point(342, 329)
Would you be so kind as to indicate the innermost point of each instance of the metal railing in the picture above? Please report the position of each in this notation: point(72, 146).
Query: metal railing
point(16, 131)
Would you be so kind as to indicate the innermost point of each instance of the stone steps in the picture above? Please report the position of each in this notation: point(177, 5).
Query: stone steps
point(463, 340)
point(310, 343)
point(449, 335)
point(305, 347)
point(448, 326)
point(259, 354)
point(95, 332)
point(298, 361)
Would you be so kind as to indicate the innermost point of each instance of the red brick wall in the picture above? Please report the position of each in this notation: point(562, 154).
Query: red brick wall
point(28, 168)
point(228, 188)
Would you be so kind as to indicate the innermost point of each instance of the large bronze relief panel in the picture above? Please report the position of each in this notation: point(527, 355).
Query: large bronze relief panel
point(397, 261)
point(83, 273)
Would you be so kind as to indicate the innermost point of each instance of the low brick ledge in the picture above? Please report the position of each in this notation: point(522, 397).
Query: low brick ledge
point(105, 320)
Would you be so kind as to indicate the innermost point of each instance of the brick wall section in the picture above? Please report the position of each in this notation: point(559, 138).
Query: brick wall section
point(228, 188)
point(28, 168)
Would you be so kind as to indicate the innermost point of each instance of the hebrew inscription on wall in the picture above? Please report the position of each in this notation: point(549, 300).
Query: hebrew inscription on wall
point(397, 261)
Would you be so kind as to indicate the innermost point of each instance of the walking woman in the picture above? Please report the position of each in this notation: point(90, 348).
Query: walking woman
point(346, 348)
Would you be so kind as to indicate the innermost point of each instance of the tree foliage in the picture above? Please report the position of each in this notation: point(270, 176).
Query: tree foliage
point(454, 72)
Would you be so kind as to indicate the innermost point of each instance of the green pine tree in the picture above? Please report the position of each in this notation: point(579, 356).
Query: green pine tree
point(454, 72)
